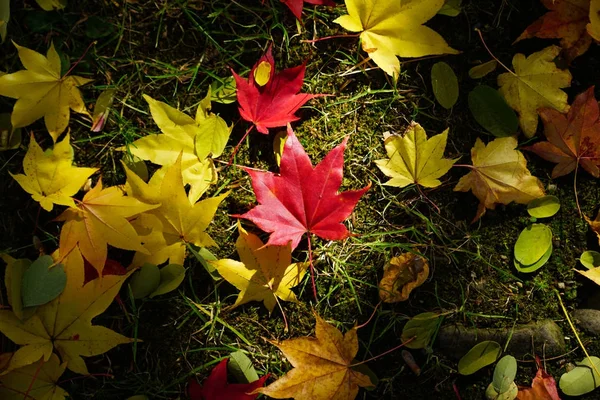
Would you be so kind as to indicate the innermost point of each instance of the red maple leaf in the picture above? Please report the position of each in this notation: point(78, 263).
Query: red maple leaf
point(274, 103)
point(302, 198)
point(573, 138)
point(216, 387)
point(296, 5)
point(111, 267)
point(543, 386)
point(566, 20)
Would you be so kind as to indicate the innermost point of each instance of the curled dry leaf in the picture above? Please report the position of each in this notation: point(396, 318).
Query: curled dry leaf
point(401, 275)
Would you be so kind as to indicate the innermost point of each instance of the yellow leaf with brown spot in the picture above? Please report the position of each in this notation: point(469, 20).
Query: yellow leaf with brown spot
point(322, 366)
point(401, 276)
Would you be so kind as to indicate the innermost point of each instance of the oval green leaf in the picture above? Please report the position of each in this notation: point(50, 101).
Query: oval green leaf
point(582, 379)
point(204, 256)
point(42, 284)
point(532, 244)
point(543, 207)
point(10, 138)
point(241, 367)
point(481, 70)
point(144, 281)
point(13, 279)
point(527, 269)
point(445, 84)
point(171, 277)
point(491, 111)
point(504, 374)
point(590, 259)
point(481, 355)
point(421, 327)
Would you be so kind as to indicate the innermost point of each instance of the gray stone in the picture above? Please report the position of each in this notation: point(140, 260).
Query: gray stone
point(541, 338)
point(588, 320)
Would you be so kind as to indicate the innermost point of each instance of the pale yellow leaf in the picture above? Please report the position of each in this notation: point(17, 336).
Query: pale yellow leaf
point(41, 91)
point(395, 28)
point(535, 84)
point(415, 159)
point(50, 176)
point(39, 380)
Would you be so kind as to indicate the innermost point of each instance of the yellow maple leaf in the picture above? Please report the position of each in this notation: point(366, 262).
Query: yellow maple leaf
point(593, 28)
point(50, 176)
point(415, 159)
point(41, 91)
point(179, 221)
point(391, 28)
point(100, 219)
point(499, 175)
point(38, 380)
point(535, 83)
point(263, 272)
point(322, 366)
point(65, 324)
point(196, 139)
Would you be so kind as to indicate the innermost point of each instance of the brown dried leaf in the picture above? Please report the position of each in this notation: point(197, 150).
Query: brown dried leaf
point(401, 275)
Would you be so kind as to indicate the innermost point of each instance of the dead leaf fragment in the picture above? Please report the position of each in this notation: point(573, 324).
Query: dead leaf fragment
point(322, 366)
point(401, 275)
point(566, 20)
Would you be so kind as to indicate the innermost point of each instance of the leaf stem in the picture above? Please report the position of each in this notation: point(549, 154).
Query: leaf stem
point(79, 60)
point(575, 189)
point(330, 37)
point(237, 147)
point(492, 54)
point(370, 318)
point(384, 353)
point(575, 332)
point(312, 269)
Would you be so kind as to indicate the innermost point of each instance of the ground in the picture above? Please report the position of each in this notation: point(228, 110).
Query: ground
point(172, 51)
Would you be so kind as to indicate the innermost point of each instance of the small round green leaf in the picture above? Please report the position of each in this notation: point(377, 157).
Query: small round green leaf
point(491, 111)
point(144, 281)
point(481, 70)
point(527, 269)
point(543, 207)
point(42, 284)
point(421, 327)
point(481, 355)
point(171, 277)
point(504, 373)
point(582, 379)
point(241, 367)
point(445, 84)
point(532, 244)
point(590, 259)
